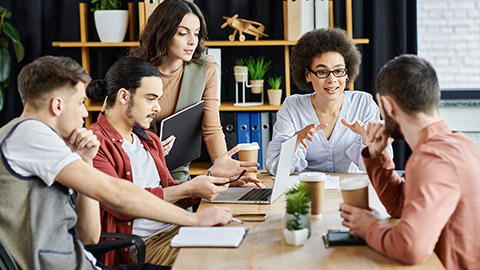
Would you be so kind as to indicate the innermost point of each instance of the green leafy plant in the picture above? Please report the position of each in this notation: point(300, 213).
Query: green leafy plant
point(7, 30)
point(240, 62)
point(298, 204)
point(257, 67)
point(275, 82)
point(296, 223)
point(105, 4)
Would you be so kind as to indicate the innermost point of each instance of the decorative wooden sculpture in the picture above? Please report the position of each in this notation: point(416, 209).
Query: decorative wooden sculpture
point(244, 26)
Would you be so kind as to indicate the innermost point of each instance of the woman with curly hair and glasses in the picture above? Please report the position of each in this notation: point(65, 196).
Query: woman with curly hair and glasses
point(173, 41)
point(323, 62)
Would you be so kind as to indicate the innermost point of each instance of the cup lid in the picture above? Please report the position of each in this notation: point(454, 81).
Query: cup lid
point(249, 146)
point(312, 176)
point(353, 183)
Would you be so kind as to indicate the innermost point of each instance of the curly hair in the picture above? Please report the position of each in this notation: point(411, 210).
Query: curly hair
point(317, 42)
point(161, 28)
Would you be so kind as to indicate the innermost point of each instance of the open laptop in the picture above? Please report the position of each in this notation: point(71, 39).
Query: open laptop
point(264, 195)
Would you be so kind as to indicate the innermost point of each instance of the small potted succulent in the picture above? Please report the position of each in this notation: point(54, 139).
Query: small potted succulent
point(297, 216)
point(257, 69)
point(110, 22)
point(240, 71)
point(275, 93)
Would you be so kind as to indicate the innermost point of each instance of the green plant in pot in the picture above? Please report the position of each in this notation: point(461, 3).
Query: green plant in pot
point(275, 93)
point(297, 218)
point(256, 70)
point(110, 22)
point(7, 32)
point(240, 70)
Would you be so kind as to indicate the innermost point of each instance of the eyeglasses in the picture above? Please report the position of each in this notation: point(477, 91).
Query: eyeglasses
point(324, 73)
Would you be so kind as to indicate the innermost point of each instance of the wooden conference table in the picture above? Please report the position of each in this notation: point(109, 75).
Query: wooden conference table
point(264, 246)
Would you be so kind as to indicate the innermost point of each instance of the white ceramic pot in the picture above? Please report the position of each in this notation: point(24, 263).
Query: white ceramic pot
point(257, 86)
point(295, 238)
point(241, 73)
point(305, 219)
point(274, 96)
point(111, 25)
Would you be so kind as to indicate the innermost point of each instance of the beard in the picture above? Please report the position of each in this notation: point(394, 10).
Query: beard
point(393, 128)
point(130, 115)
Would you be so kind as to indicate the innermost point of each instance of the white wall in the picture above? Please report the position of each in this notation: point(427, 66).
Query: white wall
point(449, 37)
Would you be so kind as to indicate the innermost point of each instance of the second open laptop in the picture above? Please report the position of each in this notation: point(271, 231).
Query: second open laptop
point(264, 195)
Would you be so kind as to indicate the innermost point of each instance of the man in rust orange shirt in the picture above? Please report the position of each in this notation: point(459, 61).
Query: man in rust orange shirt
point(438, 200)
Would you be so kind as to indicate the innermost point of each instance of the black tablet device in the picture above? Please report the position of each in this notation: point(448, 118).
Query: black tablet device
point(186, 126)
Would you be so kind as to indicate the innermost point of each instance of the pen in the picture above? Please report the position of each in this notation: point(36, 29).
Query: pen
point(217, 184)
point(237, 220)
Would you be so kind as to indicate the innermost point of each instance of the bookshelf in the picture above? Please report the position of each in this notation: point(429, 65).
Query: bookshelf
point(84, 45)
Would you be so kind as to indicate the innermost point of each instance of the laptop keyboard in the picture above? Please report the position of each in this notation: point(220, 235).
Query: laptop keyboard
point(257, 194)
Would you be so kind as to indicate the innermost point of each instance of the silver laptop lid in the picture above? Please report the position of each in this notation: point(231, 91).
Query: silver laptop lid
point(283, 168)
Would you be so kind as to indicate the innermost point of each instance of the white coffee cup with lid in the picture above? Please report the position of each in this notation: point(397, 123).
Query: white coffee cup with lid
point(249, 152)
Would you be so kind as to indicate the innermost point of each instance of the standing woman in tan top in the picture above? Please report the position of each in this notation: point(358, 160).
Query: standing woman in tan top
point(173, 41)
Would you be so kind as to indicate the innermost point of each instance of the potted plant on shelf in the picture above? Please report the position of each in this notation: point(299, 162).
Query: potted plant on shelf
point(257, 69)
point(275, 93)
point(7, 30)
point(297, 216)
point(240, 70)
point(110, 22)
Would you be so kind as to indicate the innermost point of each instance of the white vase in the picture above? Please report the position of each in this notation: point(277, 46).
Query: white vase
point(111, 25)
point(296, 238)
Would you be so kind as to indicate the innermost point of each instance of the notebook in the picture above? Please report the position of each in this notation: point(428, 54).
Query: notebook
point(264, 195)
point(209, 237)
point(186, 126)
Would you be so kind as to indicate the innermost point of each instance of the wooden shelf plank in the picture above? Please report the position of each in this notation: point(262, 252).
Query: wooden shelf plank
point(361, 41)
point(223, 43)
point(225, 107)
point(229, 107)
point(94, 107)
point(197, 168)
point(78, 44)
point(214, 43)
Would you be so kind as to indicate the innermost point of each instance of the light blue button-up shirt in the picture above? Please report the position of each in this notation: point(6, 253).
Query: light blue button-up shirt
point(341, 153)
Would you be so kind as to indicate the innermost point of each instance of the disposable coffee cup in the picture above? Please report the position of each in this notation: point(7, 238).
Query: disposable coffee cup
point(316, 183)
point(249, 152)
point(355, 191)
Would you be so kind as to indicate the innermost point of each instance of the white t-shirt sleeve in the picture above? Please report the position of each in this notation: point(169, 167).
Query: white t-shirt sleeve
point(35, 149)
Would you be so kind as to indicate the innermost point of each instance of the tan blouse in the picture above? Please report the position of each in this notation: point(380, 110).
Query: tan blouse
point(212, 129)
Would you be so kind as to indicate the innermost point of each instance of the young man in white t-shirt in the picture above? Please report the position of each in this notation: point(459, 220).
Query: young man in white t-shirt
point(132, 88)
point(45, 153)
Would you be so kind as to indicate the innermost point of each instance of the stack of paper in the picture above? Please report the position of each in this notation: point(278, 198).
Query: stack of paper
point(209, 237)
point(331, 182)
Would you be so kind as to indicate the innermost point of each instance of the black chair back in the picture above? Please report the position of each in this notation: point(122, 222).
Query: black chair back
point(6, 260)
